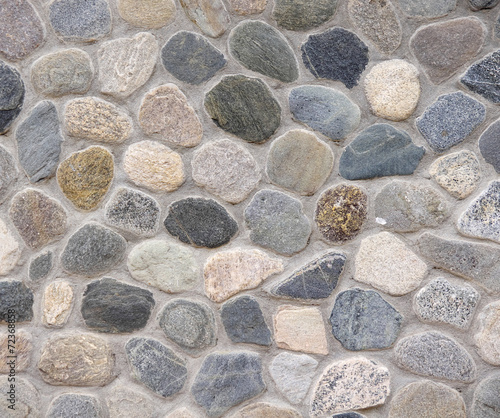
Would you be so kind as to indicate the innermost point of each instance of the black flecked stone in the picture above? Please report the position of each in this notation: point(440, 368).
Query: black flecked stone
point(74, 405)
point(482, 4)
point(40, 266)
point(489, 145)
point(11, 95)
point(15, 295)
point(483, 77)
point(348, 415)
point(8, 173)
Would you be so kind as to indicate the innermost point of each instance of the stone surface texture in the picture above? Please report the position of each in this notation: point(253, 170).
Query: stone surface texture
point(12, 92)
point(486, 403)
point(488, 335)
point(9, 173)
point(76, 405)
point(262, 409)
point(149, 14)
point(15, 295)
point(301, 15)
point(23, 349)
point(58, 300)
point(210, 16)
point(9, 250)
point(482, 77)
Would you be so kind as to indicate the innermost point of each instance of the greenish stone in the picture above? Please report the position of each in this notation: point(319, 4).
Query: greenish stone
point(302, 15)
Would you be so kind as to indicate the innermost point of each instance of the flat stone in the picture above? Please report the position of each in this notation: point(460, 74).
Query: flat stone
point(11, 94)
point(27, 398)
point(434, 354)
point(156, 366)
point(124, 402)
point(483, 77)
point(244, 321)
point(336, 54)
point(341, 212)
point(235, 97)
point(386, 263)
point(482, 4)
point(21, 348)
point(58, 300)
point(77, 360)
point(76, 21)
point(225, 169)
point(261, 409)
point(355, 383)
point(115, 307)
point(167, 266)
point(363, 320)
point(378, 151)
point(149, 14)
point(226, 380)
point(427, 8)
point(315, 280)
point(92, 250)
point(15, 295)
point(191, 58)
point(8, 173)
point(40, 266)
point(302, 15)
point(488, 334)
point(486, 403)
point(75, 405)
point(209, 15)
point(488, 145)
point(248, 7)
point(276, 221)
point(9, 250)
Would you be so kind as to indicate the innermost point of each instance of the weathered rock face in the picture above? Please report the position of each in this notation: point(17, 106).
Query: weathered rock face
point(149, 14)
point(15, 295)
point(489, 334)
point(262, 409)
point(9, 250)
point(486, 403)
point(57, 303)
point(28, 402)
point(8, 173)
point(11, 95)
point(482, 77)
point(301, 15)
point(209, 15)
point(22, 346)
point(75, 405)
point(124, 402)
point(41, 266)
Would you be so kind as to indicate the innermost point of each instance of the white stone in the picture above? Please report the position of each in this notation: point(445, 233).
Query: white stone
point(9, 250)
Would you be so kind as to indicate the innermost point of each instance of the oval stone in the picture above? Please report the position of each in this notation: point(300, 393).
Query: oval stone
point(72, 404)
point(302, 15)
point(149, 14)
point(489, 334)
point(11, 96)
point(486, 402)
point(210, 16)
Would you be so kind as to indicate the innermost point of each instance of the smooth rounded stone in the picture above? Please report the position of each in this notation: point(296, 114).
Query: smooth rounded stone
point(8, 173)
point(355, 383)
point(226, 380)
point(488, 145)
point(210, 16)
point(11, 95)
point(486, 402)
point(77, 21)
point(58, 300)
point(92, 250)
point(191, 58)
point(262, 409)
point(156, 366)
point(125, 402)
point(40, 266)
point(9, 250)
point(488, 337)
point(225, 169)
point(300, 162)
point(341, 212)
point(21, 348)
point(483, 77)
point(302, 15)
point(276, 221)
point(386, 263)
point(167, 266)
point(80, 359)
point(149, 14)
point(236, 97)
point(336, 54)
point(69, 71)
point(230, 272)
point(378, 151)
point(482, 4)
point(248, 7)
point(427, 8)
point(27, 398)
point(75, 405)
point(363, 320)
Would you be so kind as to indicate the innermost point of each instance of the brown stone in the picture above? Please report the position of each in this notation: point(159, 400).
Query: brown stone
point(209, 15)
point(149, 14)
point(248, 7)
point(261, 409)
point(488, 337)
point(57, 303)
point(9, 250)
point(18, 345)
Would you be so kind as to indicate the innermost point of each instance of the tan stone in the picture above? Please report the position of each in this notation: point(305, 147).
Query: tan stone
point(9, 250)
point(149, 14)
point(248, 7)
point(57, 303)
point(488, 337)
point(124, 402)
point(209, 15)
point(181, 413)
point(19, 345)
point(261, 409)
point(27, 399)
point(300, 329)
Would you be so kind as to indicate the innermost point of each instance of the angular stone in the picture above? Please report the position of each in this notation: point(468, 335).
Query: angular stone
point(92, 250)
point(15, 296)
point(336, 54)
point(235, 97)
point(225, 169)
point(486, 402)
point(57, 303)
point(209, 15)
point(355, 383)
point(228, 273)
point(427, 8)
point(167, 266)
point(244, 321)
point(302, 15)
point(27, 398)
point(226, 380)
point(20, 347)
point(40, 266)
point(483, 77)
point(380, 150)
point(482, 4)
point(9, 250)
point(191, 58)
point(488, 145)
point(248, 7)
point(77, 360)
point(75, 405)
point(386, 263)
point(341, 212)
point(156, 366)
point(488, 336)
point(11, 94)
point(149, 14)
point(124, 402)
point(276, 221)
point(261, 409)
point(8, 173)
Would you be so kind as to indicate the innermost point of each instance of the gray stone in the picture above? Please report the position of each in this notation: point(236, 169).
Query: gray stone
point(126, 402)
point(74, 405)
point(15, 296)
point(348, 415)
point(488, 335)
point(428, 8)
point(8, 173)
point(226, 380)
point(156, 366)
point(486, 402)
point(380, 150)
point(11, 95)
point(489, 145)
point(302, 15)
point(27, 398)
point(40, 266)
point(483, 77)
point(209, 15)
point(482, 4)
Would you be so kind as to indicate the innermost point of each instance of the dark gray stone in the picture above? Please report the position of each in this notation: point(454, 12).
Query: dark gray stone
point(8, 173)
point(486, 401)
point(489, 145)
point(336, 54)
point(428, 8)
point(114, 307)
point(226, 380)
point(74, 405)
point(15, 296)
point(301, 15)
point(191, 58)
point(11, 95)
point(482, 4)
point(40, 266)
point(156, 366)
point(483, 77)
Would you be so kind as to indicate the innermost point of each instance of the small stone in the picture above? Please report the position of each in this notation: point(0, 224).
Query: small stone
point(261, 409)
point(341, 212)
point(226, 380)
point(149, 14)
point(427, 8)
point(386, 263)
point(486, 403)
point(248, 7)
point(336, 54)
point(15, 295)
point(488, 334)
point(230, 272)
point(226, 169)
point(11, 94)
point(302, 15)
point(93, 250)
point(235, 97)
point(9, 250)
point(40, 266)
point(77, 360)
point(8, 173)
point(76, 21)
point(209, 15)
point(355, 383)
point(380, 150)
point(277, 221)
point(483, 77)
point(57, 303)
point(22, 351)
point(191, 58)
point(27, 398)
point(363, 320)
point(482, 4)
point(124, 402)
point(392, 89)
point(435, 355)
point(244, 321)
point(167, 266)
point(69, 71)
point(75, 405)
point(488, 145)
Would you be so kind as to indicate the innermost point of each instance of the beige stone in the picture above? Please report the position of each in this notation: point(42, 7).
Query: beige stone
point(149, 14)
point(488, 337)
point(124, 402)
point(9, 250)
point(19, 345)
point(261, 409)
point(181, 413)
point(57, 303)
point(209, 15)
point(248, 7)
point(300, 329)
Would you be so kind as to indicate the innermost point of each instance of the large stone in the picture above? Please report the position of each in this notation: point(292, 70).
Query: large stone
point(483, 77)
point(149, 14)
point(75, 405)
point(40, 266)
point(8, 173)
point(11, 95)
point(209, 15)
point(488, 337)
point(27, 398)
point(486, 403)
point(482, 4)
point(9, 250)
point(16, 302)
point(248, 7)
point(488, 145)
point(302, 15)
point(20, 347)
point(261, 409)
point(125, 402)
point(427, 8)
point(57, 303)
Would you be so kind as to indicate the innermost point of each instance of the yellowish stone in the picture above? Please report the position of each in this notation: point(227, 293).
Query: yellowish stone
point(21, 344)
point(9, 250)
point(209, 15)
point(248, 7)
point(57, 303)
point(149, 14)
point(488, 337)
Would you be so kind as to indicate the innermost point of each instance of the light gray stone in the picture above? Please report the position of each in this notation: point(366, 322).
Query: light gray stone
point(125, 402)
point(8, 173)
point(75, 405)
point(26, 398)
point(428, 8)
point(488, 335)
point(486, 403)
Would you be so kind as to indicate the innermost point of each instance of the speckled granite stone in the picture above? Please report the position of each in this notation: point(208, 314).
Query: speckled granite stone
point(486, 402)
point(210, 16)
point(27, 398)
point(125, 402)
point(22, 348)
point(488, 334)
point(248, 7)
point(427, 8)
point(8, 173)
point(149, 14)
point(483, 77)
point(72, 404)
point(10, 252)
point(12, 92)
point(41, 265)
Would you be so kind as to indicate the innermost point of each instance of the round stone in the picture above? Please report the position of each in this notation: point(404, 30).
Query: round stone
point(9, 250)
point(210, 16)
point(302, 15)
point(483, 77)
point(71, 404)
point(27, 401)
point(149, 14)
point(427, 8)
point(486, 403)
point(248, 7)
point(58, 300)
point(11, 96)
point(15, 295)
point(488, 145)
point(8, 172)
point(41, 265)
point(482, 4)
point(488, 334)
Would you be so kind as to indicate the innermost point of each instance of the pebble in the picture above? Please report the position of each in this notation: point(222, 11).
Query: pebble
point(75, 405)
point(427, 8)
point(336, 54)
point(378, 151)
point(488, 145)
point(230, 272)
point(386, 263)
point(483, 77)
point(209, 15)
point(355, 383)
point(225, 169)
point(22, 347)
point(276, 221)
point(486, 402)
point(40, 266)
point(191, 58)
point(125, 402)
point(164, 265)
point(341, 212)
point(226, 380)
point(248, 7)
point(148, 14)
point(9, 173)
point(58, 300)
point(482, 4)
point(69, 71)
point(156, 366)
point(11, 95)
point(302, 15)
point(261, 409)
point(27, 398)
point(488, 334)
point(434, 354)
point(9, 250)
point(234, 98)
